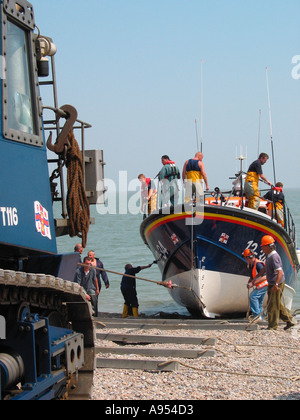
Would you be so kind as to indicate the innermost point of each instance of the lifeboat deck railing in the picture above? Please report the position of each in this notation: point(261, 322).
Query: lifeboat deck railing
point(288, 221)
point(232, 198)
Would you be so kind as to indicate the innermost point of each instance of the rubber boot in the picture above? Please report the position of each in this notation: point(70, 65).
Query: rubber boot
point(135, 312)
point(125, 311)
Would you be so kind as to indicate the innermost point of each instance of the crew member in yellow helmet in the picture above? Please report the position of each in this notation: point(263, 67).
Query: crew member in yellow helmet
point(251, 184)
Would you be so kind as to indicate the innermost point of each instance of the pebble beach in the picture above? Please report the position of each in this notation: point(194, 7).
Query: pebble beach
point(248, 365)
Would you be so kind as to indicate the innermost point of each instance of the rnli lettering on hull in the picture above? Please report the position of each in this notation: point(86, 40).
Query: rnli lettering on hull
point(9, 216)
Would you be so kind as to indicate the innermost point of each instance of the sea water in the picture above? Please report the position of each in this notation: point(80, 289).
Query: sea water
point(116, 240)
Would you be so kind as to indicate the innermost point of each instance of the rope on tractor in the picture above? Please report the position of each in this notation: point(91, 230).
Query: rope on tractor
point(78, 206)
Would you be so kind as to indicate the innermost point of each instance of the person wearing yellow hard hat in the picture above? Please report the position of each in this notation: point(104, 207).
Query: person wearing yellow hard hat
point(276, 280)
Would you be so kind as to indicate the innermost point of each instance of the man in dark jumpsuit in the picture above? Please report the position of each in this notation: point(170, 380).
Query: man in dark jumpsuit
point(128, 289)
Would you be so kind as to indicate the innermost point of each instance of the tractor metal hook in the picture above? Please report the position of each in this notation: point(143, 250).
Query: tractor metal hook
point(70, 113)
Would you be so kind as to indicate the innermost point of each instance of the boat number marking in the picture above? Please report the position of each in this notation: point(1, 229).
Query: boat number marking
point(253, 246)
point(163, 252)
point(9, 216)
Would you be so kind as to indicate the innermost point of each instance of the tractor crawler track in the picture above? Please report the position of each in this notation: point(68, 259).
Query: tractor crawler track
point(65, 303)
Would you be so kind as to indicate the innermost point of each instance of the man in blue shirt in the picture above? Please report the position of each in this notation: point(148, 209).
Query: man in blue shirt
point(86, 278)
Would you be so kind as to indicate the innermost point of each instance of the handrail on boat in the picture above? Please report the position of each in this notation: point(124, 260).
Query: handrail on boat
point(222, 198)
point(288, 222)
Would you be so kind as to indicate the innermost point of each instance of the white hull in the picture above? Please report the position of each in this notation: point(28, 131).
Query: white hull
point(215, 293)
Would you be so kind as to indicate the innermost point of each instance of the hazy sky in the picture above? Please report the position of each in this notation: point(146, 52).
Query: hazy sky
point(132, 68)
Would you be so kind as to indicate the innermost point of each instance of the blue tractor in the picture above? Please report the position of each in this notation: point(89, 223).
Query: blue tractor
point(46, 325)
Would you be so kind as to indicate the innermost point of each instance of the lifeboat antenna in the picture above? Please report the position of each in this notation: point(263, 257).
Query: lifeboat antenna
point(271, 128)
point(201, 135)
point(259, 125)
point(241, 158)
point(201, 123)
point(197, 138)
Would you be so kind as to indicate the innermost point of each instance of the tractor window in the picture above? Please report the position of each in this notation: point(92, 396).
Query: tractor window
point(19, 92)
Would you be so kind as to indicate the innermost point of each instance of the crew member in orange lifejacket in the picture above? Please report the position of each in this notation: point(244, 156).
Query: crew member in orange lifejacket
point(148, 195)
point(276, 203)
point(251, 183)
point(256, 298)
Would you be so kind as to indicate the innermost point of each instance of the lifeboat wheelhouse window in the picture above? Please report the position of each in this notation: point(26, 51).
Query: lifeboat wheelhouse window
point(19, 98)
point(21, 118)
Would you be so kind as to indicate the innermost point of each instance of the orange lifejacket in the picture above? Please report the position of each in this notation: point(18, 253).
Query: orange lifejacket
point(264, 281)
point(278, 203)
